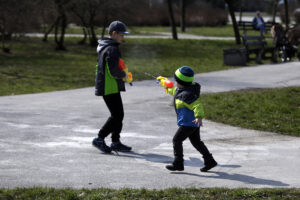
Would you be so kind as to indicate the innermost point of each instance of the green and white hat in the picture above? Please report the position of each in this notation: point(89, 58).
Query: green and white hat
point(184, 75)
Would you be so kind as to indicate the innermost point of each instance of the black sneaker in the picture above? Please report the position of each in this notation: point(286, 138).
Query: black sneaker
point(118, 146)
point(175, 167)
point(209, 166)
point(99, 143)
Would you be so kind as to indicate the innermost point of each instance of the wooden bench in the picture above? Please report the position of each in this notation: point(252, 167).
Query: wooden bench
point(255, 44)
point(247, 25)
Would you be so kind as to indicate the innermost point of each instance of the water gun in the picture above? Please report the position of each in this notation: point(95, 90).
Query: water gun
point(165, 82)
point(123, 67)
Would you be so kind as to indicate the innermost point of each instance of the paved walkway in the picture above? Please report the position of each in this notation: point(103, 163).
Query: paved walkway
point(45, 139)
point(160, 35)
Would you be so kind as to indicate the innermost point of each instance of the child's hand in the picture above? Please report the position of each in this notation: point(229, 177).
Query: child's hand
point(198, 121)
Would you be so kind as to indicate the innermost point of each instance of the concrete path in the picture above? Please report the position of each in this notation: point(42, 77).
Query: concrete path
point(45, 139)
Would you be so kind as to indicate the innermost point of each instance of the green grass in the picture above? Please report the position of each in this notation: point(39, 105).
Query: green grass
point(35, 66)
point(220, 31)
point(172, 193)
point(275, 110)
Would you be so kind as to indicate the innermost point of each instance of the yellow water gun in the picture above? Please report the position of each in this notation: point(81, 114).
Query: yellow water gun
point(165, 83)
point(123, 67)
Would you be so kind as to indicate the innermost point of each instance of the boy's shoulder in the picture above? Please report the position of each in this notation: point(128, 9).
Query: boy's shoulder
point(190, 93)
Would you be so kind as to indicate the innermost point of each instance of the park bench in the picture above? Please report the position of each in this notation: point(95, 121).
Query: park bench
point(247, 25)
point(255, 44)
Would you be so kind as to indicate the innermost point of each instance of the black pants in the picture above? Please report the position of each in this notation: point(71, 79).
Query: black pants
point(114, 123)
point(193, 133)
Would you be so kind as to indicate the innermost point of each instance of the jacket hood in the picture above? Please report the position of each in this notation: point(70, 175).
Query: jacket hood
point(189, 93)
point(194, 89)
point(104, 43)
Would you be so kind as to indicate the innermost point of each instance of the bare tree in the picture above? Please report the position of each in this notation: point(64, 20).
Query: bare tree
point(47, 14)
point(61, 23)
point(230, 4)
point(183, 10)
point(274, 12)
point(286, 8)
point(16, 17)
point(172, 19)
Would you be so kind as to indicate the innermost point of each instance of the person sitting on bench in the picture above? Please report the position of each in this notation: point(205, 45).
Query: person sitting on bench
point(258, 23)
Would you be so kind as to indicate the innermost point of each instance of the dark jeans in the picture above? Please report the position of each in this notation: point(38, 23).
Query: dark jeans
point(114, 123)
point(261, 28)
point(193, 133)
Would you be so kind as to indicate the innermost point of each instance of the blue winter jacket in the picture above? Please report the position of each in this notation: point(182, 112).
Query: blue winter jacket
point(187, 104)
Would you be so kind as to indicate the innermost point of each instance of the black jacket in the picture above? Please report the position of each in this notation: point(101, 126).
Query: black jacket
point(108, 75)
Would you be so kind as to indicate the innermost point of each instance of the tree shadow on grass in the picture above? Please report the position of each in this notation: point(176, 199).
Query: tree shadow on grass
point(238, 177)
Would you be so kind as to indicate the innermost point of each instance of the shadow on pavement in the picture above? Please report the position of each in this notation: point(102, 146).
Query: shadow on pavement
point(238, 177)
point(146, 156)
point(157, 158)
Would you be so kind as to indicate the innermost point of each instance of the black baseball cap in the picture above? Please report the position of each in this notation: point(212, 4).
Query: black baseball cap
point(117, 26)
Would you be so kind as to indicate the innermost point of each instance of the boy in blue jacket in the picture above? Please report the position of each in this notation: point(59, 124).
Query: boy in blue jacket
point(189, 112)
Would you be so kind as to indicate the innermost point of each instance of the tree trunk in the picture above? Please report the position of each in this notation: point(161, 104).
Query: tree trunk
point(56, 29)
point(60, 44)
point(62, 23)
point(105, 22)
point(286, 8)
point(93, 39)
point(83, 41)
point(103, 30)
point(183, 6)
point(174, 31)
point(45, 39)
point(274, 11)
point(235, 26)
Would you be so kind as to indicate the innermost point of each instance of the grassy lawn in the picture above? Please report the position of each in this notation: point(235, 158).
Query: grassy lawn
point(275, 110)
point(173, 193)
point(34, 66)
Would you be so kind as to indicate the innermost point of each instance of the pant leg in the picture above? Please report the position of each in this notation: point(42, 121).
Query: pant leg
point(198, 143)
point(182, 133)
point(261, 29)
point(114, 122)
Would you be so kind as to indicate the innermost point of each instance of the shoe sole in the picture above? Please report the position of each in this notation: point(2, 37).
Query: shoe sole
point(175, 169)
point(121, 150)
point(107, 152)
point(206, 170)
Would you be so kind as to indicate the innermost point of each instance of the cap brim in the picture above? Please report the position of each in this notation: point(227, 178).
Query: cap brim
point(125, 32)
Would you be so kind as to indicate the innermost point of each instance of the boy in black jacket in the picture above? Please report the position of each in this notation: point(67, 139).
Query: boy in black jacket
point(109, 84)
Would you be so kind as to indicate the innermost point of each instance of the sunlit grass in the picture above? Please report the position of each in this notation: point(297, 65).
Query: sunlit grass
point(126, 193)
point(275, 110)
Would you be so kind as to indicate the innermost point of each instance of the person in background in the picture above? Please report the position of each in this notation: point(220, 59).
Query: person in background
point(258, 23)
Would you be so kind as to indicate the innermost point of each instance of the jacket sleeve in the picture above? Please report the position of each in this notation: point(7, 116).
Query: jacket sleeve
point(113, 61)
point(254, 21)
point(197, 107)
point(172, 90)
